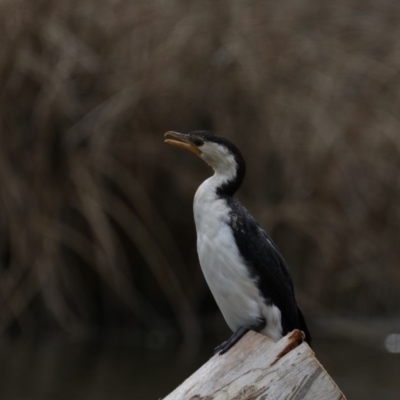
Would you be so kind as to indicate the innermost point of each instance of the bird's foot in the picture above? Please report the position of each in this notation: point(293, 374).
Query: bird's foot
point(225, 346)
point(220, 348)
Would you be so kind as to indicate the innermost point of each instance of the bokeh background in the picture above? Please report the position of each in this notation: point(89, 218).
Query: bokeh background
point(101, 294)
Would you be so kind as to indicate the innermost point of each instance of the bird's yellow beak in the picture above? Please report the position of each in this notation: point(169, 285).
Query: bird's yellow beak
point(181, 140)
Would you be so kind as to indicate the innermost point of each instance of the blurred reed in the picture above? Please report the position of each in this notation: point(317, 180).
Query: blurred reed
point(96, 227)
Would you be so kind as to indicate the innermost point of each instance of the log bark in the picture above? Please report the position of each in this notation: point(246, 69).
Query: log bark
point(257, 368)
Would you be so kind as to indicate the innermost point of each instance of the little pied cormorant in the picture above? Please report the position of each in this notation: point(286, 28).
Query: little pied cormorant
point(243, 267)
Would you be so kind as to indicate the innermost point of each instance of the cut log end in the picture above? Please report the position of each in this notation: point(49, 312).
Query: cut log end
point(258, 368)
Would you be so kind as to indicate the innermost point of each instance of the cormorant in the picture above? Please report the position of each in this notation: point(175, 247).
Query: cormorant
point(243, 267)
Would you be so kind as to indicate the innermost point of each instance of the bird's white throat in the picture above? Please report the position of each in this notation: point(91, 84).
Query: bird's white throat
point(221, 161)
point(208, 208)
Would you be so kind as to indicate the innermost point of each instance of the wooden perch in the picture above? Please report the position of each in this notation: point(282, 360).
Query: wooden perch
point(257, 368)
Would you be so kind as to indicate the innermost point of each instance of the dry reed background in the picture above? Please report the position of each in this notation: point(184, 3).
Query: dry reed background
point(96, 228)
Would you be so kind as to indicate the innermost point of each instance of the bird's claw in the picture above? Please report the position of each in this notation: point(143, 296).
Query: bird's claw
point(221, 349)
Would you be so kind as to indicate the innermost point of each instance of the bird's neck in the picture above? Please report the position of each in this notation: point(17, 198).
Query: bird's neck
point(209, 202)
point(227, 178)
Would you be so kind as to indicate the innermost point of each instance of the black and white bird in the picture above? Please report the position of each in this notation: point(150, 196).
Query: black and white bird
point(244, 269)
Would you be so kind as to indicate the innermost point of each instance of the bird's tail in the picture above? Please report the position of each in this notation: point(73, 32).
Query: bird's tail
point(303, 327)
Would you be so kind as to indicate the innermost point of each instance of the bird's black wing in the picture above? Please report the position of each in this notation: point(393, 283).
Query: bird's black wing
point(267, 266)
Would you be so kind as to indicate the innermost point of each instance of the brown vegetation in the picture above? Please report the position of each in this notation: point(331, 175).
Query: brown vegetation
point(95, 212)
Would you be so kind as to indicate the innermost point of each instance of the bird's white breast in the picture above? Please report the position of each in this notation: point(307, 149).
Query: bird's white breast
point(235, 292)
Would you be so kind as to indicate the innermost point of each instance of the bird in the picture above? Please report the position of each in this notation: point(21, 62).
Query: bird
point(243, 267)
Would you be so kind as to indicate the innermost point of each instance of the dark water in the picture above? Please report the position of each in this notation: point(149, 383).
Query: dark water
point(66, 370)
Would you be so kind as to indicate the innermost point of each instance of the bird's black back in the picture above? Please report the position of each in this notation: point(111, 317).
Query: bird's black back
point(267, 266)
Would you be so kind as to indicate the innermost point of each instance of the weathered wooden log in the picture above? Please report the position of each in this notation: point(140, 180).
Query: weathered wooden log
point(257, 368)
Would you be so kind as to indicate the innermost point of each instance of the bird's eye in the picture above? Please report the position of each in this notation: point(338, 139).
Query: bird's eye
point(198, 142)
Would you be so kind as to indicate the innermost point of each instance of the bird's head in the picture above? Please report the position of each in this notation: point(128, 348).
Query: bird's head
point(222, 155)
point(216, 151)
